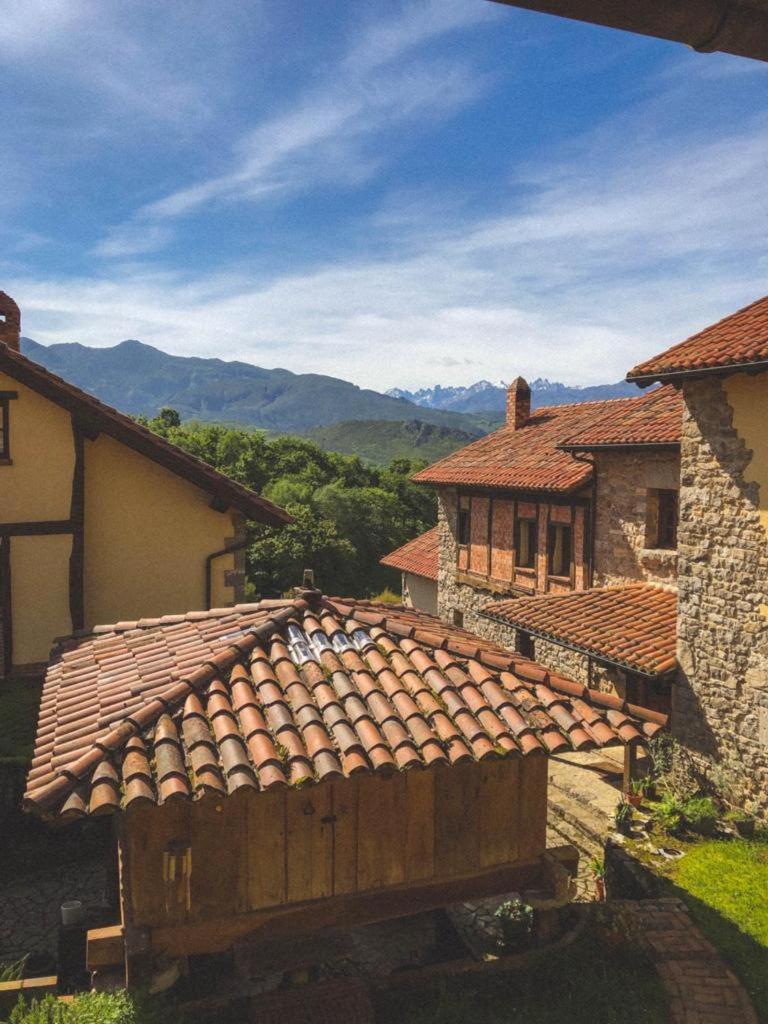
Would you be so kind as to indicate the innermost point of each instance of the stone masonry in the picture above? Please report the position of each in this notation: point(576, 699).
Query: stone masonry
point(623, 481)
point(721, 700)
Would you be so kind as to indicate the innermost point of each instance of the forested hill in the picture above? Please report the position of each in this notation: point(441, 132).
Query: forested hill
point(140, 380)
point(346, 514)
point(381, 441)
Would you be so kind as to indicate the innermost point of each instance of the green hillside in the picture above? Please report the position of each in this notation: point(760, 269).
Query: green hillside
point(381, 441)
point(140, 380)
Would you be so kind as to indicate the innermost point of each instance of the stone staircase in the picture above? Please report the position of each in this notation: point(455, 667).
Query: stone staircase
point(581, 806)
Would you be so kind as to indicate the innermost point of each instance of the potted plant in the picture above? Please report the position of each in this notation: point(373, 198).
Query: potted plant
point(622, 817)
point(597, 868)
point(638, 791)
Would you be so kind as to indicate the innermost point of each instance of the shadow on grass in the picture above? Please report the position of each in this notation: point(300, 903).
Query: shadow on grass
point(590, 982)
point(747, 957)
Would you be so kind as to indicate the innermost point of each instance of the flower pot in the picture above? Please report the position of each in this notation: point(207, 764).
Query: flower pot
point(599, 884)
point(634, 799)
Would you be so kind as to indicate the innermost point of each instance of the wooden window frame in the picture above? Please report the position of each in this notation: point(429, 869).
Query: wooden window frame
point(661, 522)
point(552, 528)
point(666, 533)
point(464, 521)
point(533, 547)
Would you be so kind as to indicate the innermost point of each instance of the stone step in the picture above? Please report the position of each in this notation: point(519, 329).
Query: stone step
point(561, 830)
point(595, 827)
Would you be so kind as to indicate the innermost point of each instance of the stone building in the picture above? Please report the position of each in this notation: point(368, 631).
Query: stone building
point(721, 696)
point(556, 502)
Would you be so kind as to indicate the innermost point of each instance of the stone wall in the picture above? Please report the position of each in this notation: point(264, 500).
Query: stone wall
point(623, 481)
point(721, 700)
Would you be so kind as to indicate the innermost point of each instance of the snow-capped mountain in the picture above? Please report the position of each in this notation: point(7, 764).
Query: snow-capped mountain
point(484, 396)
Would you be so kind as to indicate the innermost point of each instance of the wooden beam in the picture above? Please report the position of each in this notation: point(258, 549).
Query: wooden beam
point(739, 27)
point(105, 947)
point(6, 607)
point(77, 518)
point(218, 935)
point(36, 528)
point(630, 762)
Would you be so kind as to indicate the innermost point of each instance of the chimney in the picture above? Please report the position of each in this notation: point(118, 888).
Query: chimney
point(10, 322)
point(518, 403)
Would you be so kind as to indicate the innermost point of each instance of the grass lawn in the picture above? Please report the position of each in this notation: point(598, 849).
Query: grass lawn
point(588, 982)
point(19, 701)
point(725, 885)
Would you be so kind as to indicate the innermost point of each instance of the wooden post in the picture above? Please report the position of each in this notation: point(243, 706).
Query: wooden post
point(630, 760)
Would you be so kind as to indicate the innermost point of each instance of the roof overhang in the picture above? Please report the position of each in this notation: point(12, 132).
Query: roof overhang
point(739, 27)
point(667, 446)
point(586, 651)
point(643, 380)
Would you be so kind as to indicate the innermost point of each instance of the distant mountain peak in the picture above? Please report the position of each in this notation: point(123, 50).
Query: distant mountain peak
point(486, 398)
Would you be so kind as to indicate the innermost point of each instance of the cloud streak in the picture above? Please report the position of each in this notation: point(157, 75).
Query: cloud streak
point(600, 265)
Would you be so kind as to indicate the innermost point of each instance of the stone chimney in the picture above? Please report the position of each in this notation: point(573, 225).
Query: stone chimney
point(518, 403)
point(10, 322)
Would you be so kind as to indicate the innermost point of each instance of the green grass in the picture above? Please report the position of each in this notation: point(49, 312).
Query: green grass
point(725, 885)
point(19, 701)
point(589, 982)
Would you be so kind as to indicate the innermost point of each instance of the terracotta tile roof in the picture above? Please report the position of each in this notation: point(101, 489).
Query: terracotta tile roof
point(740, 339)
point(633, 625)
point(418, 556)
point(528, 458)
point(104, 418)
point(652, 419)
point(285, 693)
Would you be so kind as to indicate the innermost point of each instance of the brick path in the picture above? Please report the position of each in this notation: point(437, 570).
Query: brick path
point(701, 988)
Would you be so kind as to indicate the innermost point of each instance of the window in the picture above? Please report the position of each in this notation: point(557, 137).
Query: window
point(458, 618)
point(464, 521)
point(667, 536)
point(525, 645)
point(559, 550)
point(661, 519)
point(526, 544)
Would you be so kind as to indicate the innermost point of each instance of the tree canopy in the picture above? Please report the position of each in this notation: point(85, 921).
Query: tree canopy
point(346, 514)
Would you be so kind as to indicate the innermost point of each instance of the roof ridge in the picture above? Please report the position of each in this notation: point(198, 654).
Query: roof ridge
point(116, 737)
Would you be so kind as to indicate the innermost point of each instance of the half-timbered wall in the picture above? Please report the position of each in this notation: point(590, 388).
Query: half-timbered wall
point(486, 554)
point(257, 852)
point(92, 532)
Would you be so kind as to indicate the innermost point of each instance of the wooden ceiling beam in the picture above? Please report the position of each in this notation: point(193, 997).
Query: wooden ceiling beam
point(728, 26)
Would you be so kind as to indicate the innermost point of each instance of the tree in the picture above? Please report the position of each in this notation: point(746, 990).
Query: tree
point(346, 514)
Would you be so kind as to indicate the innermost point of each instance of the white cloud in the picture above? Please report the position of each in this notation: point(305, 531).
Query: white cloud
point(322, 137)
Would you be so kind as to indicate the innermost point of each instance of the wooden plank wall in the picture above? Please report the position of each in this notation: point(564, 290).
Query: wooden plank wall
point(257, 850)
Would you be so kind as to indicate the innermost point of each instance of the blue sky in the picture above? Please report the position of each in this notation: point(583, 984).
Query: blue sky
point(397, 193)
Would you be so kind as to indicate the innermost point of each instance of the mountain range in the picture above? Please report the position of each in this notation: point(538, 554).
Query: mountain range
point(139, 379)
point(485, 398)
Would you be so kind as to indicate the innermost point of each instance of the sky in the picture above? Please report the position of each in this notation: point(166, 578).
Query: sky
point(397, 192)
